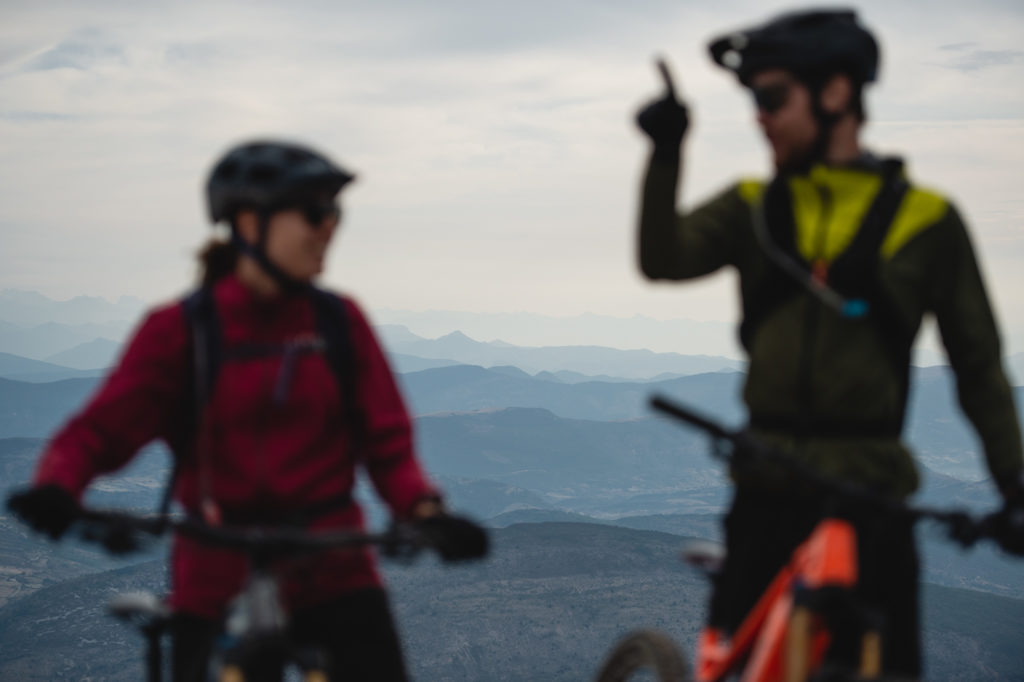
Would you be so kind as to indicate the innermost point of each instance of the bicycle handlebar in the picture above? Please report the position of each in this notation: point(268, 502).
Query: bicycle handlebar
point(685, 414)
point(962, 526)
point(121, 532)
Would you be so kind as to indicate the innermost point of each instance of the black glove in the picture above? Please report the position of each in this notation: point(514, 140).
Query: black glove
point(454, 537)
point(665, 120)
point(1008, 528)
point(48, 508)
point(1008, 523)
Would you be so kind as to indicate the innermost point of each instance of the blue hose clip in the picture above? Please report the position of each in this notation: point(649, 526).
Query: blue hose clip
point(855, 308)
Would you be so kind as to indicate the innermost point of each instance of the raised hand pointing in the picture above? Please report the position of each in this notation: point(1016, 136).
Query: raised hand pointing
point(665, 119)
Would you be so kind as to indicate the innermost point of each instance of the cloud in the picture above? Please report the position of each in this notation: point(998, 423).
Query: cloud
point(976, 60)
point(84, 50)
point(497, 158)
point(203, 54)
point(469, 27)
point(36, 116)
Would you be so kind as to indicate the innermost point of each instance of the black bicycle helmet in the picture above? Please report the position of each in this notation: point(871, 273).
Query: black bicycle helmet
point(267, 174)
point(812, 44)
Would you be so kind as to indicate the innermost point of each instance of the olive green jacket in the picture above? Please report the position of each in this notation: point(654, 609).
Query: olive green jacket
point(828, 387)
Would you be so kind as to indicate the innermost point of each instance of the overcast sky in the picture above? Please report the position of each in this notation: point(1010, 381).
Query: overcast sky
point(498, 164)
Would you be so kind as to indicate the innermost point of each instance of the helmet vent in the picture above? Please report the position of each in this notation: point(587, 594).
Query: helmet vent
point(732, 60)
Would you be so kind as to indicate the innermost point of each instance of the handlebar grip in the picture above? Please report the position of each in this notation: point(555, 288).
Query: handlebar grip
point(673, 409)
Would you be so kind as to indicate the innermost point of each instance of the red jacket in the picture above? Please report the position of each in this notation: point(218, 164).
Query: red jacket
point(259, 454)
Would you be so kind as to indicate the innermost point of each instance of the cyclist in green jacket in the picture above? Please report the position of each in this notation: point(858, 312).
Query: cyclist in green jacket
point(840, 256)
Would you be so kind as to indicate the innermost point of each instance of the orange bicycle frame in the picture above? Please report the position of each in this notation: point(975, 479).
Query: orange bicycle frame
point(780, 641)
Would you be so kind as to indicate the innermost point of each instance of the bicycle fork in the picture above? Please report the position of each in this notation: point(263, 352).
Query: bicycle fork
point(258, 625)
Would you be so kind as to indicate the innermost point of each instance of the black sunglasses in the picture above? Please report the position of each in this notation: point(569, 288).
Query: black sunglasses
point(771, 98)
point(316, 212)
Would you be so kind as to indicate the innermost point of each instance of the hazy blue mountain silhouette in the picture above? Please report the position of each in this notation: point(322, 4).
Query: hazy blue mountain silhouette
point(587, 360)
point(98, 353)
point(90, 346)
point(35, 410)
point(43, 341)
point(938, 430)
point(30, 308)
point(532, 329)
point(574, 461)
point(465, 387)
point(403, 364)
point(935, 428)
point(37, 371)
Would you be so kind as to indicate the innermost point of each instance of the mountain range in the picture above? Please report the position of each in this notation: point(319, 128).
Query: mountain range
point(85, 333)
point(88, 347)
point(588, 360)
point(30, 308)
point(525, 464)
point(589, 494)
point(935, 428)
point(547, 605)
point(38, 371)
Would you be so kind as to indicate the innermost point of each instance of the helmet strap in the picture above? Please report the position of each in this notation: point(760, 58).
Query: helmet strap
point(258, 252)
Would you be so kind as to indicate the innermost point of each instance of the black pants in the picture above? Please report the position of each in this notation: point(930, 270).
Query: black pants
point(355, 632)
point(762, 529)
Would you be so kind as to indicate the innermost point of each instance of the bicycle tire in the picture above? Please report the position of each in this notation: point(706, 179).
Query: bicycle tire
point(645, 649)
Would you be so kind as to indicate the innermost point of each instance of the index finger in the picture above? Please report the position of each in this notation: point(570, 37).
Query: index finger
point(666, 77)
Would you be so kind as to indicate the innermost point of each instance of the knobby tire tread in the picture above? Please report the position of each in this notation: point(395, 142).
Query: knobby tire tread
point(645, 649)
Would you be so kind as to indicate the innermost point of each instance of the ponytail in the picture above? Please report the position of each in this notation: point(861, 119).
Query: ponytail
point(217, 258)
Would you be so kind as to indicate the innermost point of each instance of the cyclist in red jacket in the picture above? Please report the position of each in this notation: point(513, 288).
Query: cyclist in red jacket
point(279, 433)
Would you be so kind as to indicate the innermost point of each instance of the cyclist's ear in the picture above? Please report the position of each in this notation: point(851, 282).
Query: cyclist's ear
point(837, 95)
point(247, 224)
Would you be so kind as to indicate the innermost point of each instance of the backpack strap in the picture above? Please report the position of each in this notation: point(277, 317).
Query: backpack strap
point(854, 271)
point(332, 321)
point(207, 344)
point(205, 351)
point(772, 285)
point(855, 274)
